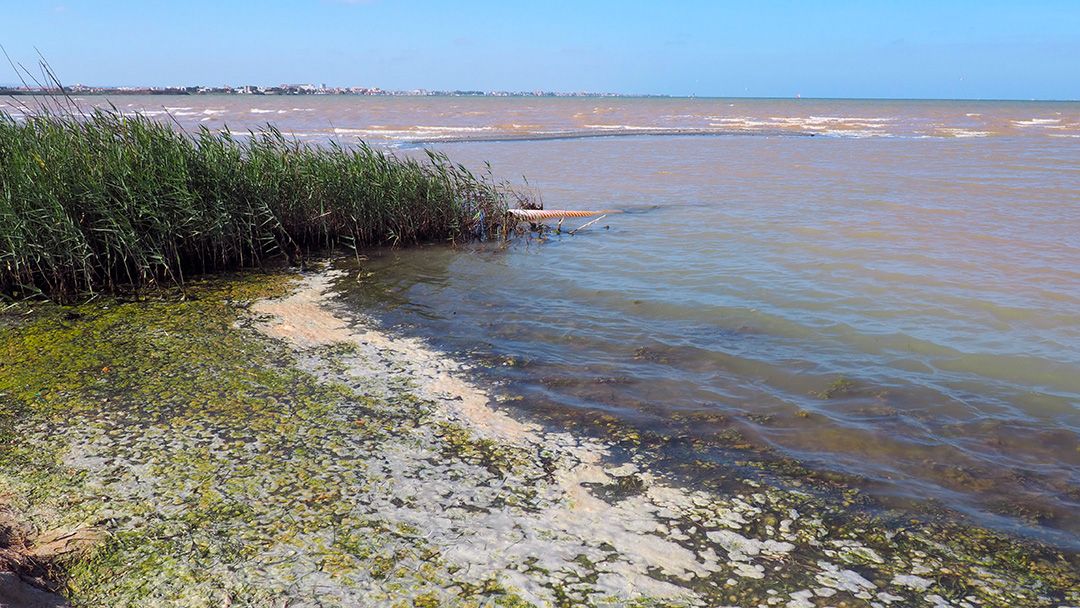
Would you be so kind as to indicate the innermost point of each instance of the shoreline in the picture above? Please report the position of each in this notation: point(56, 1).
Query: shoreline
point(380, 473)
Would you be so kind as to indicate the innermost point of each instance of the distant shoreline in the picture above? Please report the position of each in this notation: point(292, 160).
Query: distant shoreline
point(294, 90)
point(291, 90)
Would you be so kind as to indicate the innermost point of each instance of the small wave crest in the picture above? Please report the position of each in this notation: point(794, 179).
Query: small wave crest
point(959, 132)
point(1036, 122)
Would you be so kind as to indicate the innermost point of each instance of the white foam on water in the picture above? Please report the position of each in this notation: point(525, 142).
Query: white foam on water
point(815, 122)
point(247, 133)
point(622, 128)
point(830, 125)
point(258, 111)
point(452, 129)
point(1034, 122)
point(852, 119)
point(958, 132)
point(377, 132)
point(426, 131)
point(856, 133)
point(745, 122)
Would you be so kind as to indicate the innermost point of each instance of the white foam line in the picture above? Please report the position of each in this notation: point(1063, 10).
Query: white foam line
point(957, 132)
point(1034, 122)
point(622, 128)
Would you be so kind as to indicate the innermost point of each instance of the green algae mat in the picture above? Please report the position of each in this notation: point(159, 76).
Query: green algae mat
point(246, 443)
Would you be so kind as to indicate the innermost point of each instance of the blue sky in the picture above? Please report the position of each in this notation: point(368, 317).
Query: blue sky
point(942, 49)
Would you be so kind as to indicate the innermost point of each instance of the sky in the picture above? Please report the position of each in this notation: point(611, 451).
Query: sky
point(891, 49)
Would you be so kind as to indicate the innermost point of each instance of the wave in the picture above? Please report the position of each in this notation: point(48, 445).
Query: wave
point(517, 127)
point(827, 125)
point(958, 132)
point(623, 127)
point(453, 129)
point(605, 133)
point(749, 123)
point(855, 133)
point(414, 133)
point(847, 119)
point(1035, 122)
point(376, 132)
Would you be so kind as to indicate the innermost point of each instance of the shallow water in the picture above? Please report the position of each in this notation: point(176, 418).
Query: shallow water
point(749, 275)
point(898, 299)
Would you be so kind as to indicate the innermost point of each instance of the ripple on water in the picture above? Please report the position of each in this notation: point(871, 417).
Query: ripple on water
point(771, 269)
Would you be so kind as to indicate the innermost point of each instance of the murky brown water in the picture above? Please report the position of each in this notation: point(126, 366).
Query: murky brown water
point(432, 119)
point(898, 298)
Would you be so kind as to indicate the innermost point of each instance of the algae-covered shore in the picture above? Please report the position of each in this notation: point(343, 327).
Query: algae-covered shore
point(251, 442)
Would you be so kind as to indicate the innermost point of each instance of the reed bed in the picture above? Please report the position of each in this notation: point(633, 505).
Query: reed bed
point(103, 201)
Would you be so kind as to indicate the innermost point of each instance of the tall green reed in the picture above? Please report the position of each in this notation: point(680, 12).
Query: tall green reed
point(109, 201)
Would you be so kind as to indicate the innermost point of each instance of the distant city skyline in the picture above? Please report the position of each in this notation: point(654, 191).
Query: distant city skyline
point(40, 84)
point(948, 49)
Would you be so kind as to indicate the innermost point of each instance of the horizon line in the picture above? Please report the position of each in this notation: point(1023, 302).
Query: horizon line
point(171, 90)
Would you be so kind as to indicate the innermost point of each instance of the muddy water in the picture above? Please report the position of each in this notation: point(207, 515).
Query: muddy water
point(434, 119)
point(897, 298)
